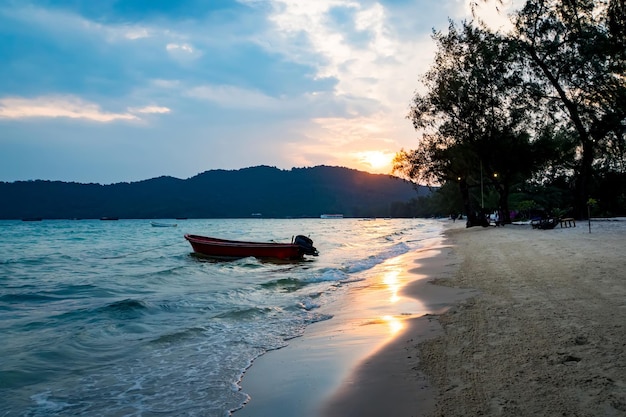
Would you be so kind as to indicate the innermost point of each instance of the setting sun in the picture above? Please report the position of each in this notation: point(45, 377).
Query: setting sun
point(376, 159)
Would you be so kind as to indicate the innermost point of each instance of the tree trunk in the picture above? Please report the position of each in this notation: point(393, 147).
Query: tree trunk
point(503, 203)
point(472, 218)
point(581, 191)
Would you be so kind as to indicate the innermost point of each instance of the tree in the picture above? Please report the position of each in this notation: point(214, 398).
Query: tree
point(575, 52)
point(472, 131)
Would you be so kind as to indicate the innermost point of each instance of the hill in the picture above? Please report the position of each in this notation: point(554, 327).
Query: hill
point(299, 192)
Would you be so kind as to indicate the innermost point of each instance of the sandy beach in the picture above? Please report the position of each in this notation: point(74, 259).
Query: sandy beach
point(547, 335)
point(505, 321)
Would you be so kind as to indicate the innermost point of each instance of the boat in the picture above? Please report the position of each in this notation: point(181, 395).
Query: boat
point(331, 216)
point(157, 224)
point(234, 249)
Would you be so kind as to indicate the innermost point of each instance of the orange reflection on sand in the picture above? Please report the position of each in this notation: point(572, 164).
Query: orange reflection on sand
point(395, 324)
point(391, 280)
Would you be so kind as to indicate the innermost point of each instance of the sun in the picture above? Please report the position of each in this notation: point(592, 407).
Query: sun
point(376, 159)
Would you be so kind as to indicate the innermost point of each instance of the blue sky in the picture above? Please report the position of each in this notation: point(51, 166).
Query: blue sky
point(110, 91)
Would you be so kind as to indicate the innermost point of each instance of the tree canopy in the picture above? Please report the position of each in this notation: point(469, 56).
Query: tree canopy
point(541, 106)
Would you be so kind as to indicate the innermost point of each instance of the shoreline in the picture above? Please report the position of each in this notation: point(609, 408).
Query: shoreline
point(368, 343)
point(523, 322)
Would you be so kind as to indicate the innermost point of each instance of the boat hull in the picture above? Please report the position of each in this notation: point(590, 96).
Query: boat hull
point(156, 224)
point(233, 249)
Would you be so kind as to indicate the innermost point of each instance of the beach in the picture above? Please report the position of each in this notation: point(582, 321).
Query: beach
point(493, 321)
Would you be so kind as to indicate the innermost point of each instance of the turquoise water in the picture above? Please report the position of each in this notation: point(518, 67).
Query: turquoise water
point(116, 318)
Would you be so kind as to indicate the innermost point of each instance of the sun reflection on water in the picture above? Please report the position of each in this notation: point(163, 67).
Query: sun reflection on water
point(393, 283)
point(394, 323)
point(392, 280)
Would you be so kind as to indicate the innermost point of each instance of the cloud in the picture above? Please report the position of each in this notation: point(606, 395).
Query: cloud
point(57, 107)
point(149, 110)
point(182, 52)
point(60, 23)
point(134, 33)
point(248, 82)
point(495, 13)
point(229, 96)
point(356, 44)
point(179, 47)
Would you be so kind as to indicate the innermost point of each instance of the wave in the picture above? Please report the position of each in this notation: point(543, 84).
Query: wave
point(373, 260)
point(246, 313)
point(125, 309)
point(286, 285)
point(27, 298)
point(179, 336)
point(308, 304)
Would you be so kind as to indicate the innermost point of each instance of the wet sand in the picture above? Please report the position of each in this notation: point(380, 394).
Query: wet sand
point(520, 322)
point(365, 348)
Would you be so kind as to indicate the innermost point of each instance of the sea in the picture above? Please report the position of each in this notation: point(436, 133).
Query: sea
point(119, 318)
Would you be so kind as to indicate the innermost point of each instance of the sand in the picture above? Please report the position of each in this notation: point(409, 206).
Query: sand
point(547, 335)
point(494, 321)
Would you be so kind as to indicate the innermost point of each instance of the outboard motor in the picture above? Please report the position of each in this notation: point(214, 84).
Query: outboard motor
point(306, 245)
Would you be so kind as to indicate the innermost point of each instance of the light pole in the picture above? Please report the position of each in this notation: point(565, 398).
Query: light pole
point(482, 198)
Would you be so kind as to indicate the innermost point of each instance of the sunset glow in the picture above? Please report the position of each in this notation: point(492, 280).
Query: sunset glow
point(196, 86)
point(377, 160)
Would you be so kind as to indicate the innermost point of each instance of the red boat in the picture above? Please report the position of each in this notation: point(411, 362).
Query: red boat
point(232, 249)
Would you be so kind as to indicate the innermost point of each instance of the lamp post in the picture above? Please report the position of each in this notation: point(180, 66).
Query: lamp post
point(482, 198)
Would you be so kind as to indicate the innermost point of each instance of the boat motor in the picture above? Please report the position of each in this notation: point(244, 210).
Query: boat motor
point(306, 245)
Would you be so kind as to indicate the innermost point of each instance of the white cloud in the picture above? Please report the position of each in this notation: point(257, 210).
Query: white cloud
point(376, 76)
point(133, 33)
point(149, 110)
point(182, 52)
point(228, 96)
point(57, 22)
point(384, 70)
point(495, 13)
point(184, 47)
point(57, 107)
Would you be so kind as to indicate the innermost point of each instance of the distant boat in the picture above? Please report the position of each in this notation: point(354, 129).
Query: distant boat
point(234, 249)
point(109, 218)
point(331, 216)
point(157, 224)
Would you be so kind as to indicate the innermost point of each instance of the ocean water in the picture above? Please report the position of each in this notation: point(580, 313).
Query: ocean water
point(117, 318)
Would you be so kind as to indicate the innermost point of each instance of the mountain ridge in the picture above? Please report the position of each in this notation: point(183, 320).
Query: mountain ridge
point(298, 192)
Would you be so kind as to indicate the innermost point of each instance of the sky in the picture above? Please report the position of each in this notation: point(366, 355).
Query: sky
point(112, 91)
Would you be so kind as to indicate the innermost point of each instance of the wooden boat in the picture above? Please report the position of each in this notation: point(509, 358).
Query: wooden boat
point(233, 249)
point(157, 224)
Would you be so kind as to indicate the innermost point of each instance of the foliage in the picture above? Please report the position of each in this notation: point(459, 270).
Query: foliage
point(472, 132)
point(576, 76)
point(539, 112)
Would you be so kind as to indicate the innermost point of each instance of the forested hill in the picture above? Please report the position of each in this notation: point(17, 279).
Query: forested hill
point(299, 192)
